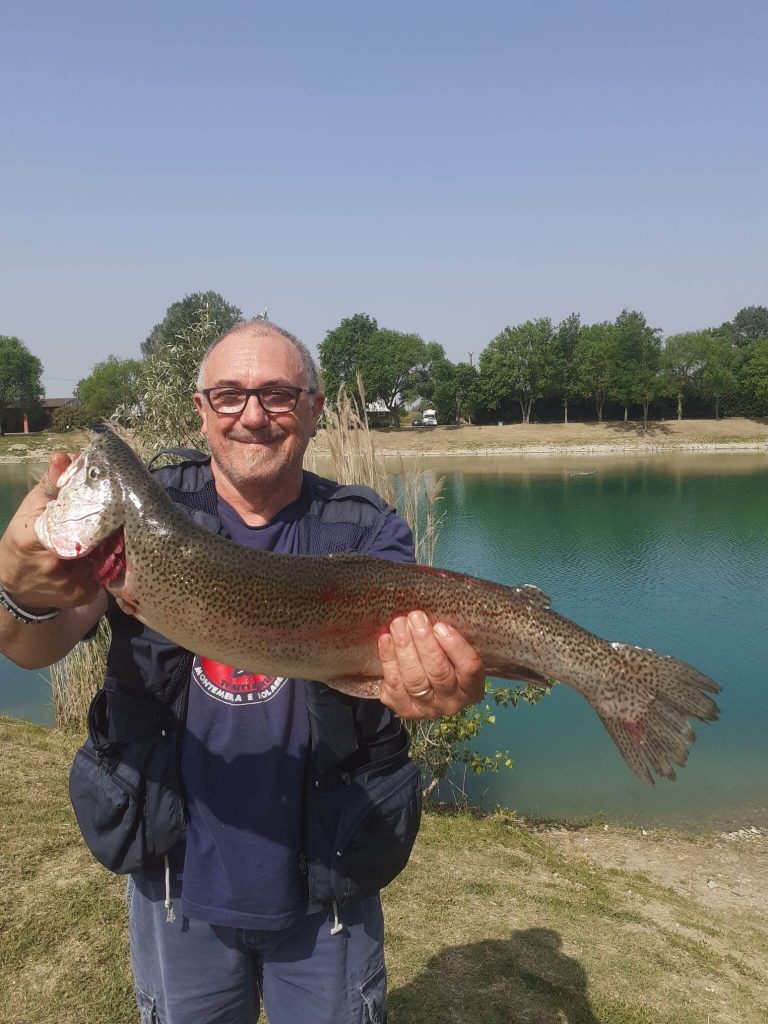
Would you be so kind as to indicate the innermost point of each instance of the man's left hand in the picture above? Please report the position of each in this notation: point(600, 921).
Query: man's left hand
point(428, 671)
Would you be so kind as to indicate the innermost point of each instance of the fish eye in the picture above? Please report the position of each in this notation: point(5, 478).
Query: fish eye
point(94, 473)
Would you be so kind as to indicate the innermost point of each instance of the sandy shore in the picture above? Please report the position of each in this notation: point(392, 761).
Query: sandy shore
point(667, 436)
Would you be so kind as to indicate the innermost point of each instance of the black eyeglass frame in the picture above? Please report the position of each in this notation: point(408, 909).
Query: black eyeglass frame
point(247, 392)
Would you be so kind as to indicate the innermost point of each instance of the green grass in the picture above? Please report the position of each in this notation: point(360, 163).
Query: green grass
point(490, 924)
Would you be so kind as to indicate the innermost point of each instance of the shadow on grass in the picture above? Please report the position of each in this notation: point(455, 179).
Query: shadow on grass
point(526, 978)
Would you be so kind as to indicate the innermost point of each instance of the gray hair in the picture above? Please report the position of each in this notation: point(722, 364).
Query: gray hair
point(259, 326)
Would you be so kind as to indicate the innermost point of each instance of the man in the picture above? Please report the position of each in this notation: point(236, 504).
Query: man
point(295, 804)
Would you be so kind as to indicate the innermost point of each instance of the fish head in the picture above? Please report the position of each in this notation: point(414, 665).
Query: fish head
point(87, 508)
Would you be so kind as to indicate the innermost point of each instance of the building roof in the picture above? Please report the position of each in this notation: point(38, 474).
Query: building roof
point(56, 403)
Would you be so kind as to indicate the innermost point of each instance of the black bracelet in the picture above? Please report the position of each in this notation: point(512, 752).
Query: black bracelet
point(28, 618)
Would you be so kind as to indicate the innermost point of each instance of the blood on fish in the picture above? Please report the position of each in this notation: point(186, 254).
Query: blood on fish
point(78, 547)
point(108, 559)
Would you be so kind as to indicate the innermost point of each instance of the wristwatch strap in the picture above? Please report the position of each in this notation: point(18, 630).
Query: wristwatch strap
point(28, 618)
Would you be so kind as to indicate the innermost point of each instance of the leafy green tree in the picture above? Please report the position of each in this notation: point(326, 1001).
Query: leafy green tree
point(749, 326)
point(393, 364)
point(110, 384)
point(719, 377)
point(565, 377)
point(454, 391)
point(754, 374)
point(595, 357)
point(518, 363)
point(20, 373)
point(638, 361)
point(341, 353)
point(220, 315)
point(683, 360)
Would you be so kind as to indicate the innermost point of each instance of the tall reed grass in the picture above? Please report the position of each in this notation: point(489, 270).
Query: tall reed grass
point(353, 459)
point(77, 677)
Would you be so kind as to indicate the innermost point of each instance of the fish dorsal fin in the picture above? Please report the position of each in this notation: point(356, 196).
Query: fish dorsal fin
point(535, 595)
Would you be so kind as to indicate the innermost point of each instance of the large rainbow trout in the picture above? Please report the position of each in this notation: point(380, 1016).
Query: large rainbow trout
point(319, 618)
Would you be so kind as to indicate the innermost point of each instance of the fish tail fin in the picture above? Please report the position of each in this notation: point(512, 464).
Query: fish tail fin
point(647, 707)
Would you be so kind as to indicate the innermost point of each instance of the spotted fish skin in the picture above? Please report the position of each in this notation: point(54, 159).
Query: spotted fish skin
point(320, 618)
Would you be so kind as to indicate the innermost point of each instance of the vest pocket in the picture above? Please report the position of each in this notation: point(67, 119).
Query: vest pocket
point(376, 834)
point(108, 808)
point(108, 794)
point(362, 831)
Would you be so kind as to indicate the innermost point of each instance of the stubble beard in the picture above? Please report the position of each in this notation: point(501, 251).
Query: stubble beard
point(255, 468)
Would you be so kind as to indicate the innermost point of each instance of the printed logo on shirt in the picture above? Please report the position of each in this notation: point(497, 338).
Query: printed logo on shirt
point(232, 685)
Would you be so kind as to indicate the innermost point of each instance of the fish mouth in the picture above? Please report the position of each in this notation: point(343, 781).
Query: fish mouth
point(68, 538)
point(108, 559)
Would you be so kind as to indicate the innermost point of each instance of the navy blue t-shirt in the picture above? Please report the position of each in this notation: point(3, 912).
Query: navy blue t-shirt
point(244, 759)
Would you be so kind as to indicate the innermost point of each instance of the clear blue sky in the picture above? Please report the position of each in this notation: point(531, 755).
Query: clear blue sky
point(449, 168)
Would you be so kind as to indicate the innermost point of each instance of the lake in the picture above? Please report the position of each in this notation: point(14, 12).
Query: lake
point(665, 552)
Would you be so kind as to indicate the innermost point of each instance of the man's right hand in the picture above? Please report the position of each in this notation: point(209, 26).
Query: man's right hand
point(36, 578)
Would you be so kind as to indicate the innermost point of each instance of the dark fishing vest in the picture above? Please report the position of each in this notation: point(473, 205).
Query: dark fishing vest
point(363, 793)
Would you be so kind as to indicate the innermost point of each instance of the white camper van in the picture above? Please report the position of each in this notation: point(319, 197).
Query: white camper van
point(429, 419)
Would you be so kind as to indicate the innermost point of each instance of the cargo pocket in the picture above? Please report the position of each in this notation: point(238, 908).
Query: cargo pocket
point(374, 997)
point(147, 1008)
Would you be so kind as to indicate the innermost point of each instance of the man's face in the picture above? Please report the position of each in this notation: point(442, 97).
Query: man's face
point(254, 446)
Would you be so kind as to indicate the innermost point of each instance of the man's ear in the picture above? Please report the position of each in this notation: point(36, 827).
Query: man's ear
point(198, 399)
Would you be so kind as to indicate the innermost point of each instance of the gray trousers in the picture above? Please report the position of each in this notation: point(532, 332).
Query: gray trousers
point(189, 971)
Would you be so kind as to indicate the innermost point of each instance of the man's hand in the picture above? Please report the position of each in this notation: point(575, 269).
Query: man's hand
point(428, 671)
point(36, 578)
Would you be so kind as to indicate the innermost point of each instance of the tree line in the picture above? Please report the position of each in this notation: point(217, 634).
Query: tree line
point(539, 367)
point(536, 369)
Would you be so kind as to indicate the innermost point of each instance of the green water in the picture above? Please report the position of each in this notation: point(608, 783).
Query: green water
point(669, 554)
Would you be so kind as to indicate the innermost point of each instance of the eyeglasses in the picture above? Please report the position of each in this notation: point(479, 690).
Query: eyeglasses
point(274, 399)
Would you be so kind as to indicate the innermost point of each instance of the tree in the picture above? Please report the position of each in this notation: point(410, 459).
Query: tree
point(111, 383)
point(565, 369)
point(392, 365)
point(20, 374)
point(595, 359)
point(718, 376)
point(341, 353)
point(167, 383)
point(748, 326)
point(754, 374)
point(185, 314)
point(638, 358)
point(518, 363)
point(683, 359)
point(454, 390)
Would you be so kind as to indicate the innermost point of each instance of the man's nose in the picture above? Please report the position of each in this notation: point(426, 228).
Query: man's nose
point(253, 415)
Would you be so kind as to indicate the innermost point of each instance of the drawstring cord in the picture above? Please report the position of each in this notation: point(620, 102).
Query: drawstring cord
point(337, 926)
point(170, 913)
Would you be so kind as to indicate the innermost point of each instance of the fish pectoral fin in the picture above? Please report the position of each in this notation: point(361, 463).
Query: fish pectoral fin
point(357, 686)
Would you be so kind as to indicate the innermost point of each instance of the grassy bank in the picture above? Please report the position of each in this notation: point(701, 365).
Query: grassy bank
point(494, 922)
